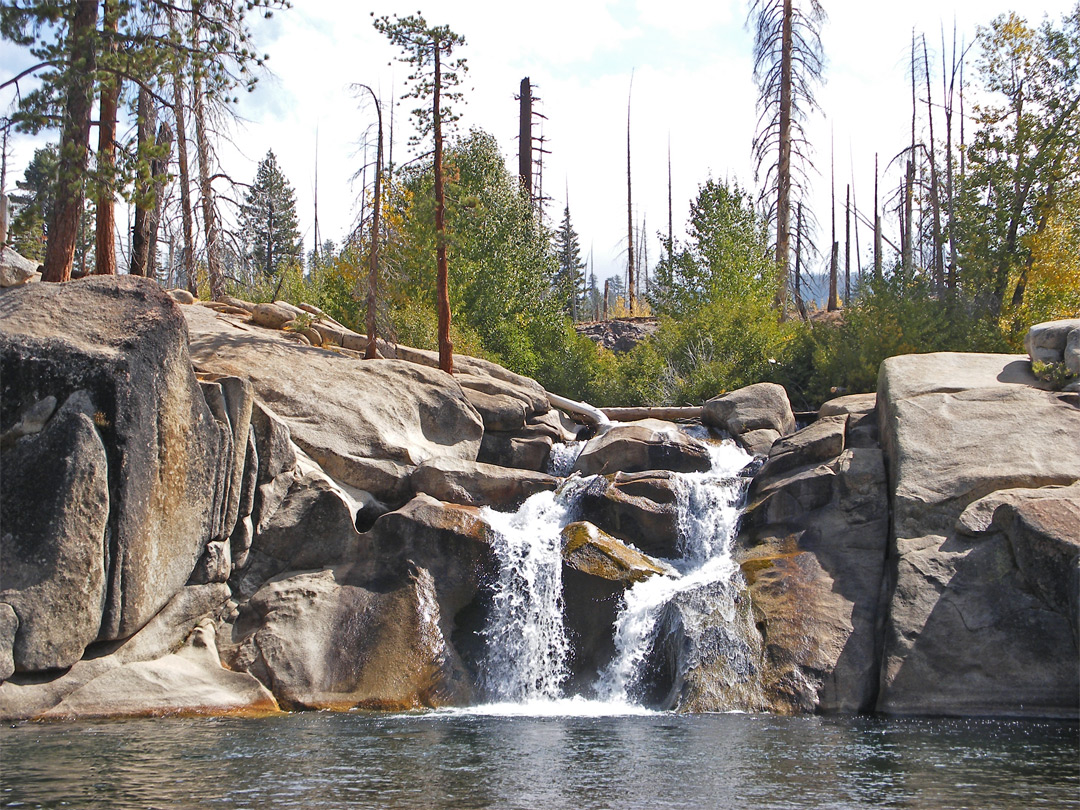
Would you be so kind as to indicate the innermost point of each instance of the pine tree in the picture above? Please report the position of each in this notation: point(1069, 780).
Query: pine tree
point(569, 281)
point(427, 50)
point(268, 217)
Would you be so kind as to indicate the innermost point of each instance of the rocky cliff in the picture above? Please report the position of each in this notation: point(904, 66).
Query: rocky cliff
point(202, 512)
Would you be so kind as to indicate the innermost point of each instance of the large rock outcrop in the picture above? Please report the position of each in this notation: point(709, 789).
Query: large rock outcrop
point(366, 424)
point(113, 352)
point(979, 621)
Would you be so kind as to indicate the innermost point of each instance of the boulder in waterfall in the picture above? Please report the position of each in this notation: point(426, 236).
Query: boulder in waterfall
point(967, 631)
point(650, 525)
point(122, 343)
point(321, 642)
point(755, 416)
point(597, 570)
point(706, 654)
point(592, 551)
point(476, 484)
point(15, 270)
point(648, 444)
point(341, 411)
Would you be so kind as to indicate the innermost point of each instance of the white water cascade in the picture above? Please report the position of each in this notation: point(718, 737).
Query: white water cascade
point(709, 504)
point(526, 639)
point(525, 635)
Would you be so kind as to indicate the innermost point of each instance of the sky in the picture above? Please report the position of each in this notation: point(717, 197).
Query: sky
point(684, 65)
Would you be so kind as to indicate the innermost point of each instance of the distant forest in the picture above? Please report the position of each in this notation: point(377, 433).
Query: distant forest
point(454, 251)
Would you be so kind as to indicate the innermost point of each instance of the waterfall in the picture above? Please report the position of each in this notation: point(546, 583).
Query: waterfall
point(526, 638)
point(527, 649)
point(562, 457)
point(708, 506)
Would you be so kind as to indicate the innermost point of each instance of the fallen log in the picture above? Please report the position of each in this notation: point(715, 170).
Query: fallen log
point(668, 414)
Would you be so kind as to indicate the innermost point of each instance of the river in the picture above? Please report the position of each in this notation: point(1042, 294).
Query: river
point(480, 759)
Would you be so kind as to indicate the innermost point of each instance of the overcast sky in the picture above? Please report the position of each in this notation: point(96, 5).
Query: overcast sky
point(692, 87)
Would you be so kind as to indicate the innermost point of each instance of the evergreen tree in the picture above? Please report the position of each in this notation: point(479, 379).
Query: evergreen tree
point(427, 49)
point(268, 217)
point(569, 281)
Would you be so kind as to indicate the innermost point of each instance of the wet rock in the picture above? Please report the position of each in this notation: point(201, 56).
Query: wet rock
point(648, 444)
point(705, 655)
point(588, 549)
point(597, 570)
point(651, 526)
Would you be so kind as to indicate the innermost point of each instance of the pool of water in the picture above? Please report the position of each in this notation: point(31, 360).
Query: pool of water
point(495, 758)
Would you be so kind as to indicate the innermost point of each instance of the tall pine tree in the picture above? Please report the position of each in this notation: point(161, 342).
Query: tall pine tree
point(268, 218)
point(569, 281)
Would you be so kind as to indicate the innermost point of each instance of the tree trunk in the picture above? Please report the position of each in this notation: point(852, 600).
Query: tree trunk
point(158, 169)
point(188, 249)
point(935, 197)
point(799, 304)
point(105, 233)
point(630, 279)
point(847, 248)
point(783, 167)
point(442, 281)
point(74, 146)
point(144, 193)
point(525, 159)
point(877, 224)
point(373, 268)
point(834, 287)
point(206, 192)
